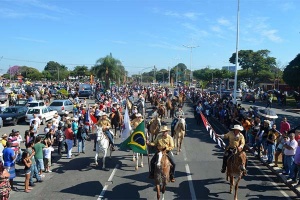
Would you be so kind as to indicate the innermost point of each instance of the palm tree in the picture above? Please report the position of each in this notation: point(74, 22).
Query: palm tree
point(109, 69)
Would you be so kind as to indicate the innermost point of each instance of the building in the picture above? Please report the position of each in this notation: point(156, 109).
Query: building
point(229, 68)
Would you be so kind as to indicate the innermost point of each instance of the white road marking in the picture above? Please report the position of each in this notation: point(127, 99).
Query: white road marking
point(189, 176)
point(272, 182)
point(101, 196)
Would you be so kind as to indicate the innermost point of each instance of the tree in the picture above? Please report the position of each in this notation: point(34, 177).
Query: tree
point(81, 71)
point(13, 71)
point(57, 71)
point(182, 71)
point(109, 69)
point(291, 72)
point(31, 73)
point(253, 63)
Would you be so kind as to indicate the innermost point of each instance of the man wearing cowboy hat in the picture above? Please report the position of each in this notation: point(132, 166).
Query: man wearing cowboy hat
point(163, 142)
point(106, 125)
point(236, 139)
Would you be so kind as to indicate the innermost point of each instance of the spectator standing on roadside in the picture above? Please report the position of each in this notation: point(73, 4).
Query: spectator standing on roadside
point(284, 125)
point(9, 156)
point(27, 169)
point(296, 164)
point(38, 148)
point(271, 141)
point(33, 167)
point(279, 148)
point(47, 155)
point(60, 136)
point(75, 129)
point(289, 153)
point(5, 187)
point(69, 140)
point(81, 137)
point(269, 100)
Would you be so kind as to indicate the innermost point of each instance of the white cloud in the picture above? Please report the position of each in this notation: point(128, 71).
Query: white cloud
point(195, 30)
point(224, 22)
point(9, 13)
point(119, 42)
point(271, 35)
point(287, 6)
point(165, 45)
point(186, 15)
point(216, 29)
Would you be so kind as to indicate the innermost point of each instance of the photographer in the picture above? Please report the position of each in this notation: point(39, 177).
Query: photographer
point(279, 149)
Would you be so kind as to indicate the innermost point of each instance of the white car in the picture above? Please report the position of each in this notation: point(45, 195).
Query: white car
point(45, 113)
point(36, 103)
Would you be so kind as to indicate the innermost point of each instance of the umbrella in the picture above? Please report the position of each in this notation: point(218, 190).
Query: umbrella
point(268, 113)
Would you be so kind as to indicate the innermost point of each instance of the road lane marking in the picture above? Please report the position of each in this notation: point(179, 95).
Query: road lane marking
point(101, 196)
point(189, 176)
point(272, 182)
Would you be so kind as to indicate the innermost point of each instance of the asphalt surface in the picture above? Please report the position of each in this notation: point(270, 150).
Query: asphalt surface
point(197, 176)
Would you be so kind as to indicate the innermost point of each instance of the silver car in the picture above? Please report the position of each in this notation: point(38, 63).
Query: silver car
point(61, 106)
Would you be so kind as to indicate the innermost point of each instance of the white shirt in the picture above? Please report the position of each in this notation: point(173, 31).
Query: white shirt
point(47, 152)
point(294, 145)
point(37, 119)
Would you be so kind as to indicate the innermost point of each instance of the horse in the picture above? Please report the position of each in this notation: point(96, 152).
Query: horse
point(181, 99)
point(179, 130)
point(161, 111)
point(116, 121)
point(162, 173)
point(154, 127)
point(135, 158)
point(129, 106)
point(169, 107)
point(101, 145)
point(236, 169)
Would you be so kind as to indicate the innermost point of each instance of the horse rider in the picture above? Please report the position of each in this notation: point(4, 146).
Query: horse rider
point(163, 142)
point(131, 97)
point(136, 121)
point(104, 122)
point(236, 139)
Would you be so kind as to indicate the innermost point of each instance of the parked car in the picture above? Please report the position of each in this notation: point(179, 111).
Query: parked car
point(45, 113)
point(85, 93)
point(13, 114)
point(36, 103)
point(1, 122)
point(22, 102)
point(226, 95)
point(247, 97)
point(62, 105)
point(3, 97)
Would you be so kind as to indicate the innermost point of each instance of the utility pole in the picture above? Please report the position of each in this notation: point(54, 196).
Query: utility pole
point(169, 76)
point(58, 73)
point(154, 74)
point(191, 48)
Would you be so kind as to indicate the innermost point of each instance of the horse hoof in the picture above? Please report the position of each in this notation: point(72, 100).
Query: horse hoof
point(142, 165)
point(136, 168)
point(96, 164)
point(105, 169)
point(133, 159)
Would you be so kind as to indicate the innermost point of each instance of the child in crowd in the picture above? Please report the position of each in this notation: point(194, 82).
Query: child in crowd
point(27, 162)
point(47, 155)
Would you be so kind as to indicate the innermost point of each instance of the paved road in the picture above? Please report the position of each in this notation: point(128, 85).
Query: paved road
point(198, 175)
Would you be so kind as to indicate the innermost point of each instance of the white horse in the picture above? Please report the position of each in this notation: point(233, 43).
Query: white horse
point(101, 145)
point(179, 134)
point(135, 158)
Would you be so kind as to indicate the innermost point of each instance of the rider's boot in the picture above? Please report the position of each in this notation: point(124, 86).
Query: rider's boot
point(223, 170)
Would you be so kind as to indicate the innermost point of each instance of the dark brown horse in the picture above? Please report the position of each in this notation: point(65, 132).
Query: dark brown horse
point(116, 121)
point(169, 107)
point(162, 173)
point(236, 169)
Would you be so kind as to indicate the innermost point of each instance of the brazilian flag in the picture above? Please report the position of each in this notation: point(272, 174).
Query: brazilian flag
point(137, 140)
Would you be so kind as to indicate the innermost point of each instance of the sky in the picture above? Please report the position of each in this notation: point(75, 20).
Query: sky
point(143, 34)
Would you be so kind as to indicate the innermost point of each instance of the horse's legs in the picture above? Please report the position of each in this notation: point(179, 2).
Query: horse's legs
point(97, 153)
point(133, 157)
point(163, 189)
point(236, 187)
point(137, 162)
point(158, 191)
point(231, 183)
point(142, 160)
point(179, 143)
point(103, 159)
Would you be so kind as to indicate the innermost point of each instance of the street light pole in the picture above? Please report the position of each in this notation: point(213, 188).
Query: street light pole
point(154, 74)
point(191, 48)
point(237, 53)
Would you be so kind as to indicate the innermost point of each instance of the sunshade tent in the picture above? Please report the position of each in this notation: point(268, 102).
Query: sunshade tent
point(268, 113)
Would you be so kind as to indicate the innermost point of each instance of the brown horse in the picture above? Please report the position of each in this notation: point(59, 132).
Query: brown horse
point(162, 173)
point(154, 128)
point(116, 121)
point(169, 107)
point(161, 111)
point(236, 169)
point(179, 130)
point(181, 99)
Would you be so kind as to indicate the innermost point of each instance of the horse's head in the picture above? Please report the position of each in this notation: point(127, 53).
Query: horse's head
point(240, 158)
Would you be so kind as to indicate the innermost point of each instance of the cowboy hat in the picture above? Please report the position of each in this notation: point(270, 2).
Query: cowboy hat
point(104, 113)
point(164, 129)
point(138, 115)
point(135, 106)
point(4, 135)
point(237, 127)
point(267, 121)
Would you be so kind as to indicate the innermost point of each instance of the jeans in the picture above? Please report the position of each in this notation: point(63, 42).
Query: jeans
point(296, 170)
point(34, 172)
point(75, 140)
point(258, 146)
point(40, 164)
point(288, 162)
point(81, 145)
point(271, 151)
point(61, 146)
point(70, 146)
point(251, 139)
point(110, 137)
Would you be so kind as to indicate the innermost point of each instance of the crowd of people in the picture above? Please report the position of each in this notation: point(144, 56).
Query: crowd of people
point(260, 133)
